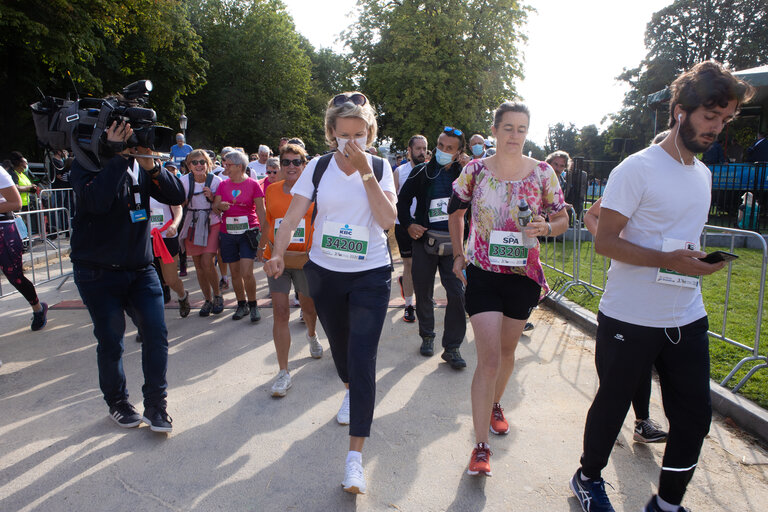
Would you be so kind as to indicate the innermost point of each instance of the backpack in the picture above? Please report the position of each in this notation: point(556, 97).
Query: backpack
point(322, 165)
point(208, 181)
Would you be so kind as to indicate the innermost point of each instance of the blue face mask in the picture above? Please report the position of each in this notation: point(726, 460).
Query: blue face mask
point(478, 149)
point(442, 157)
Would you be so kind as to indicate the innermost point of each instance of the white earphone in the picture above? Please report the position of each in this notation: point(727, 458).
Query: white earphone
point(677, 132)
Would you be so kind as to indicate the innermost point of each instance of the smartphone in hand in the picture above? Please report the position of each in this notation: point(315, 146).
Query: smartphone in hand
point(718, 256)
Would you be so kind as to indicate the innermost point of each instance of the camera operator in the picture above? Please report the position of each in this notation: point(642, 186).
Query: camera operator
point(112, 262)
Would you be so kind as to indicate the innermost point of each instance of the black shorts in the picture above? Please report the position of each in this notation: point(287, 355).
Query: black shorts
point(172, 244)
point(513, 295)
point(404, 241)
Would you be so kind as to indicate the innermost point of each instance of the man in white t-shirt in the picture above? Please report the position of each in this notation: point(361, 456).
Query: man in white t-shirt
point(259, 167)
point(417, 153)
point(651, 314)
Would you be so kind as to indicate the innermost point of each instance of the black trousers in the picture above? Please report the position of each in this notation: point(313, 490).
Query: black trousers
point(423, 271)
point(624, 355)
point(351, 307)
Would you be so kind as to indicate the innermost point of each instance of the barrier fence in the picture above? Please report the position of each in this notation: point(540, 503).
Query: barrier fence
point(574, 259)
point(43, 256)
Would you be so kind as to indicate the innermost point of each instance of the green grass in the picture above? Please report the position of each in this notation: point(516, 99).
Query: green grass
point(742, 310)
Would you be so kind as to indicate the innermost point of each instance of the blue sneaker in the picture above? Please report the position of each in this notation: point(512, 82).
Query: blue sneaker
point(591, 494)
point(652, 506)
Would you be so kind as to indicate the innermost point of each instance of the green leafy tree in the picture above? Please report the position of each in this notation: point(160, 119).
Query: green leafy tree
point(259, 77)
point(103, 45)
point(733, 32)
point(562, 138)
point(429, 63)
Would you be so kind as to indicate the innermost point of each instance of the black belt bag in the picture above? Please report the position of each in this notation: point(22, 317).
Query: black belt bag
point(253, 236)
point(437, 243)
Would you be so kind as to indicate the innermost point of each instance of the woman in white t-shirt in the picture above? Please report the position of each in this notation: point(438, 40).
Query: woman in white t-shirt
point(200, 231)
point(11, 249)
point(164, 221)
point(349, 270)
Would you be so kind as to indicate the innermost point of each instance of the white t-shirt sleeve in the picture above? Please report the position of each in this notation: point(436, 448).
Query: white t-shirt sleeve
point(5, 179)
point(625, 188)
point(303, 185)
point(215, 183)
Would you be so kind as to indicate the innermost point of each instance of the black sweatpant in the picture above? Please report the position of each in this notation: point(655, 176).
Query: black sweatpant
point(423, 271)
point(623, 356)
point(10, 262)
point(351, 307)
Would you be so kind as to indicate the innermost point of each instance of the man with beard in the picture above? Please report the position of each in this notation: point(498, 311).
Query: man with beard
point(417, 153)
point(431, 184)
point(651, 314)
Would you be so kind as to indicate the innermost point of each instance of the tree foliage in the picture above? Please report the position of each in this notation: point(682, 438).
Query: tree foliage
point(103, 44)
point(733, 32)
point(429, 63)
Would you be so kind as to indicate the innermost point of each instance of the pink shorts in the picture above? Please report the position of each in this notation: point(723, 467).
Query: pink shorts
point(213, 242)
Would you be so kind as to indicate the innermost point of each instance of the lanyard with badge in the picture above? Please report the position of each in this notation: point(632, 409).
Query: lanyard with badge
point(138, 214)
point(670, 277)
point(344, 241)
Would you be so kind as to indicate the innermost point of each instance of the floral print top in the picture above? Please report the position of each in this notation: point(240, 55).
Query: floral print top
point(495, 207)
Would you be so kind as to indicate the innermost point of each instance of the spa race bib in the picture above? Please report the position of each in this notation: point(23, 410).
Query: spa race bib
point(156, 218)
point(506, 249)
point(438, 210)
point(237, 225)
point(299, 235)
point(670, 277)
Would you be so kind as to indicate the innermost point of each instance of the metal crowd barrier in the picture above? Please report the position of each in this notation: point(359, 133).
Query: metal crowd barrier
point(754, 348)
point(43, 249)
point(571, 275)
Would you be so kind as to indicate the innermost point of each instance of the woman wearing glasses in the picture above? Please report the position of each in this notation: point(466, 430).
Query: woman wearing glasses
point(273, 174)
point(241, 201)
point(201, 227)
point(278, 198)
point(510, 195)
point(349, 269)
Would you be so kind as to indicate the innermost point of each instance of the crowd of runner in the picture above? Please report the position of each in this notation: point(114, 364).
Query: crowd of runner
point(320, 226)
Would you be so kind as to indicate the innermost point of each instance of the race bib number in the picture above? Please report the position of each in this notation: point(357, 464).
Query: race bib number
point(438, 210)
point(670, 277)
point(506, 249)
point(156, 218)
point(237, 225)
point(299, 235)
point(344, 241)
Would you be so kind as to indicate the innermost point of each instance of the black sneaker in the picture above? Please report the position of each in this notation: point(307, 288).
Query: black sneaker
point(241, 311)
point(409, 315)
point(255, 314)
point(218, 304)
point(124, 414)
point(427, 345)
point(652, 506)
point(648, 431)
point(207, 308)
point(157, 419)
point(39, 319)
point(528, 327)
point(453, 358)
point(591, 494)
point(184, 307)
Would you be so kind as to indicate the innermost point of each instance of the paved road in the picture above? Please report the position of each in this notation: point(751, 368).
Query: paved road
point(235, 448)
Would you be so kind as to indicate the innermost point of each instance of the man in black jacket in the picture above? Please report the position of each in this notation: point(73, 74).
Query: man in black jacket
point(431, 184)
point(112, 262)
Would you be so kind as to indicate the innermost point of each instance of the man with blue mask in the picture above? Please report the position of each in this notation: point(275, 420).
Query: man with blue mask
point(477, 146)
point(430, 184)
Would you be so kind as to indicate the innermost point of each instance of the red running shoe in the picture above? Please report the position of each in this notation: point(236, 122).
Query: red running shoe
point(499, 425)
point(480, 460)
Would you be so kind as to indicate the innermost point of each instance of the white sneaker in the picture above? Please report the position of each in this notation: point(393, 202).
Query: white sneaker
point(295, 302)
point(315, 348)
point(343, 416)
point(282, 384)
point(354, 479)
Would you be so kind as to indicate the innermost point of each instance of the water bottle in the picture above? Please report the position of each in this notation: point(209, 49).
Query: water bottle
point(524, 216)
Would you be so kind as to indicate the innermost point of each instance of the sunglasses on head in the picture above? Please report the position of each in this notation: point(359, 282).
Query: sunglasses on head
point(296, 162)
point(197, 162)
point(356, 98)
point(454, 131)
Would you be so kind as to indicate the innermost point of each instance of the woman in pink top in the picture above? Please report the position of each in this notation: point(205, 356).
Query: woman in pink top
point(240, 200)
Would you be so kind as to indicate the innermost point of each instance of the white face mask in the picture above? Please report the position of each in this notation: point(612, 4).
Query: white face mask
point(341, 143)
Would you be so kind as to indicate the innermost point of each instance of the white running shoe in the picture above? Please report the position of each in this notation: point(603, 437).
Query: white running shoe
point(343, 416)
point(315, 348)
point(282, 384)
point(354, 479)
